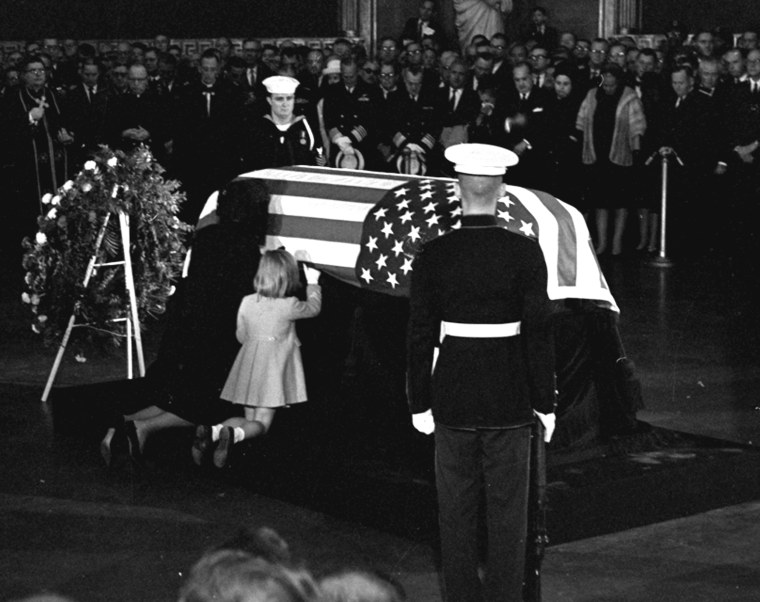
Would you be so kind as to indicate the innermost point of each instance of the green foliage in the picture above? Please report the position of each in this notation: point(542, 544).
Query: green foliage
point(56, 260)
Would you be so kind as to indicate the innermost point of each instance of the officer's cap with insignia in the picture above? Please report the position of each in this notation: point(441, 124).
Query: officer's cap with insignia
point(481, 159)
point(279, 84)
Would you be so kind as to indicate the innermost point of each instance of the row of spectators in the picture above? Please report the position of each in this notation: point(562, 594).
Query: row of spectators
point(553, 99)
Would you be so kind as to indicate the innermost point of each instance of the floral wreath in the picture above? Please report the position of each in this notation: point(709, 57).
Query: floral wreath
point(56, 260)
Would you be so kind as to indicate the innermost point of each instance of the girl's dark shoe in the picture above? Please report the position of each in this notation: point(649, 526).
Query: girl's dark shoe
point(226, 438)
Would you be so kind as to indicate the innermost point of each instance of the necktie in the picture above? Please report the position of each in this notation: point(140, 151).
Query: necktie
point(90, 93)
point(208, 93)
point(678, 102)
point(453, 100)
point(251, 76)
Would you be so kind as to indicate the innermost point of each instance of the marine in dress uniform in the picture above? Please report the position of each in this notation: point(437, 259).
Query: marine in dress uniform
point(484, 289)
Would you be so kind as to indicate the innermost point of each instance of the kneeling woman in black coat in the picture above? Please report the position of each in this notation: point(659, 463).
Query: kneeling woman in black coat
point(181, 388)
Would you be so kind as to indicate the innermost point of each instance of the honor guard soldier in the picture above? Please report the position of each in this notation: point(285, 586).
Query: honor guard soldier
point(480, 291)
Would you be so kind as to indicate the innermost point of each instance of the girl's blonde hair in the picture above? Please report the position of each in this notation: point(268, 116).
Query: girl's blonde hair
point(277, 275)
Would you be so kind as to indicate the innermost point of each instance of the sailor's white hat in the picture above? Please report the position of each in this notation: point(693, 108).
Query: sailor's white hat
point(280, 84)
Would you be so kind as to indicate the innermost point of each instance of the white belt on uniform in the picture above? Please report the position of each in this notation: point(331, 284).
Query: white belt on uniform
point(480, 331)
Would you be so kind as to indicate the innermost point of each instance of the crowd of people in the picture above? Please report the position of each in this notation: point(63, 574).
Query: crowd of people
point(585, 116)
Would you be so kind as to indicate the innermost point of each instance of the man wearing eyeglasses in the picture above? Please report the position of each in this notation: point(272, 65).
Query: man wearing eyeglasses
point(540, 63)
point(597, 59)
point(35, 132)
point(388, 50)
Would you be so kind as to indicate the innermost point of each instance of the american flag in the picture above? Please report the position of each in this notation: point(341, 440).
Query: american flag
point(364, 228)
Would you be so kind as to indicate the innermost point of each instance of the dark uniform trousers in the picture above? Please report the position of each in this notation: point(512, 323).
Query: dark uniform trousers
point(501, 456)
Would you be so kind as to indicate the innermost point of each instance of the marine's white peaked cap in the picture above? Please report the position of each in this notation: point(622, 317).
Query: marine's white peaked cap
point(481, 159)
point(280, 84)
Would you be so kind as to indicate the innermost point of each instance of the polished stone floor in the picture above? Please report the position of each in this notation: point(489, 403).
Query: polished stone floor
point(68, 526)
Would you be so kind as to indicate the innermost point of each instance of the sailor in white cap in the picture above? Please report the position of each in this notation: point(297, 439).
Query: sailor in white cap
point(480, 291)
point(281, 138)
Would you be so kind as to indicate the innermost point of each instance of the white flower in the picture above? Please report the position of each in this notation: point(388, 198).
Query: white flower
point(36, 328)
point(26, 298)
point(52, 213)
point(41, 238)
point(46, 198)
point(42, 319)
point(80, 358)
point(56, 200)
point(112, 162)
point(34, 299)
point(86, 187)
point(90, 165)
point(67, 185)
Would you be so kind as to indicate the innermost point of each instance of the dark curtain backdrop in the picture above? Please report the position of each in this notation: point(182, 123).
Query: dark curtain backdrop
point(735, 15)
point(132, 19)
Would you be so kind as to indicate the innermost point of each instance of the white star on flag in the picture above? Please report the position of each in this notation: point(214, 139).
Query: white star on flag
point(372, 243)
point(403, 204)
point(432, 220)
point(366, 276)
point(414, 233)
point(406, 217)
point(505, 216)
point(392, 279)
point(527, 228)
point(398, 247)
point(380, 261)
point(401, 192)
point(507, 201)
point(430, 207)
point(387, 229)
point(407, 267)
point(380, 213)
point(426, 195)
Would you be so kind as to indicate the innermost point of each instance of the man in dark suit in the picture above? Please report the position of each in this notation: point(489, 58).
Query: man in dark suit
point(86, 107)
point(525, 127)
point(208, 135)
point(690, 127)
point(458, 104)
point(424, 26)
point(137, 117)
point(540, 31)
point(484, 289)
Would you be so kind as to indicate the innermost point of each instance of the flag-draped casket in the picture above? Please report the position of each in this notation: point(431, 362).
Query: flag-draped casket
point(364, 229)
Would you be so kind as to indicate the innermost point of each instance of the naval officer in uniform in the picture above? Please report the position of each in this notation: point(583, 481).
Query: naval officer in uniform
point(481, 291)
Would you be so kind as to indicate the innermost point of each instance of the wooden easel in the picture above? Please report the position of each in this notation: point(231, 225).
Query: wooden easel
point(132, 319)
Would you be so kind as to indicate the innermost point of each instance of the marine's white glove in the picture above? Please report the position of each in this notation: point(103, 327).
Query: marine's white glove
point(344, 144)
point(424, 422)
point(549, 421)
point(415, 148)
point(312, 275)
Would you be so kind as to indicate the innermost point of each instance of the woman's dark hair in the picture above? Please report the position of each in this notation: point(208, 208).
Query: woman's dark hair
point(244, 202)
point(614, 70)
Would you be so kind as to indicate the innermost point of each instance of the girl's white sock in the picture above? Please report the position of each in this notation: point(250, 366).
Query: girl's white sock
point(215, 430)
point(239, 434)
